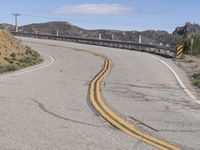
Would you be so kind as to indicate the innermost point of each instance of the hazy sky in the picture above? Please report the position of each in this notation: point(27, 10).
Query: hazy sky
point(106, 14)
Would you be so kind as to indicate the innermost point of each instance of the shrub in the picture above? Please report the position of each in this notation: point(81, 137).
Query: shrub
point(8, 60)
point(196, 77)
point(28, 51)
point(8, 68)
point(13, 55)
point(186, 39)
point(31, 58)
point(196, 45)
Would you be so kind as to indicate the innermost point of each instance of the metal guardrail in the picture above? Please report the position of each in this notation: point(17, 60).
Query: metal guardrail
point(166, 51)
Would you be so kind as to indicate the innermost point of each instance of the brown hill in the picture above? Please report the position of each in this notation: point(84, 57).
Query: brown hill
point(13, 55)
point(8, 46)
point(66, 29)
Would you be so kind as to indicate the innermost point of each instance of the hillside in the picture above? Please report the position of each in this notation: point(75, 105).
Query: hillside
point(188, 28)
point(13, 55)
point(66, 29)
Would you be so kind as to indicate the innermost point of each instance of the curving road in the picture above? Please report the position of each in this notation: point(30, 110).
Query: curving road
point(48, 106)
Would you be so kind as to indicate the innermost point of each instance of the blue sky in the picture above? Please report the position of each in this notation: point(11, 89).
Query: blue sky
point(105, 14)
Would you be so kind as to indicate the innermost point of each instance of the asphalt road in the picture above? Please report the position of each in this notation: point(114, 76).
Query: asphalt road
point(47, 106)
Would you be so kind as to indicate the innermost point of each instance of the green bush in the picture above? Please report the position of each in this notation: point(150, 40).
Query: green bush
point(8, 68)
point(196, 45)
point(196, 77)
point(177, 40)
point(186, 39)
point(28, 51)
point(31, 58)
point(9, 60)
point(13, 55)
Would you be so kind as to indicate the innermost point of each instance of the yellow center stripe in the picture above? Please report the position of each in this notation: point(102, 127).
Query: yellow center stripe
point(111, 117)
point(118, 124)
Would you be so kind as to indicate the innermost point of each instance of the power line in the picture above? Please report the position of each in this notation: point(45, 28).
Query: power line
point(45, 17)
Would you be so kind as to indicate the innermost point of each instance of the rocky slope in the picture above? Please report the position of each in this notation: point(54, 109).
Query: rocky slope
point(188, 28)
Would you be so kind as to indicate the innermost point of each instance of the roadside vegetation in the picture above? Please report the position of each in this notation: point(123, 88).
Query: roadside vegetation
point(196, 77)
point(191, 49)
point(15, 63)
point(192, 52)
point(15, 56)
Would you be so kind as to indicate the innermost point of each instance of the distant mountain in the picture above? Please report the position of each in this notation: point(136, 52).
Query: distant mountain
point(67, 29)
point(64, 28)
point(188, 29)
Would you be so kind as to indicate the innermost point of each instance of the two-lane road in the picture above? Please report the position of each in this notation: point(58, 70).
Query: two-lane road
point(50, 107)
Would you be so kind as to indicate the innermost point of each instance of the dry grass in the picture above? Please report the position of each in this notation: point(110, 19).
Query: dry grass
point(13, 55)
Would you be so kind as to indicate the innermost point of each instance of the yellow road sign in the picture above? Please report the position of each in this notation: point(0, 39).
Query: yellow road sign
point(179, 51)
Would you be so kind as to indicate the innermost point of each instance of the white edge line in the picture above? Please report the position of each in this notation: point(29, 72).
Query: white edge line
point(177, 78)
point(28, 71)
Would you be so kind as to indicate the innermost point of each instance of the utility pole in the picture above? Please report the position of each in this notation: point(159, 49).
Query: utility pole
point(16, 21)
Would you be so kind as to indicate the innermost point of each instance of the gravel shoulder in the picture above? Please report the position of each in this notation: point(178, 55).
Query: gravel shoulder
point(191, 66)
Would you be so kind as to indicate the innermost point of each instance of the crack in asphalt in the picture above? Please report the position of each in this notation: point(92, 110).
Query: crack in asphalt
point(44, 109)
point(145, 97)
point(144, 124)
point(193, 131)
point(143, 86)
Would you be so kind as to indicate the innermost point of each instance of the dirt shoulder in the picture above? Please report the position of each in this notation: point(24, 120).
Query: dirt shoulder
point(191, 65)
point(14, 55)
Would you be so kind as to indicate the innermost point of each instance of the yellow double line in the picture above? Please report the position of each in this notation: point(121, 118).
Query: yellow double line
point(111, 117)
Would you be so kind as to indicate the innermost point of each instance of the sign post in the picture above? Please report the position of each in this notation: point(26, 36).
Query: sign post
point(191, 46)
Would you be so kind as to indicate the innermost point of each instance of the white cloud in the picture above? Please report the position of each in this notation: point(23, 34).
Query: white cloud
point(95, 9)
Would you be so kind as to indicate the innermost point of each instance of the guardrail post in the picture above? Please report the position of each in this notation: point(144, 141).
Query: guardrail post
point(140, 38)
point(99, 36)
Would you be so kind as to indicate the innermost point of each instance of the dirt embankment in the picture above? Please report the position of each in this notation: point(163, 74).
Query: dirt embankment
point(13, 55)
